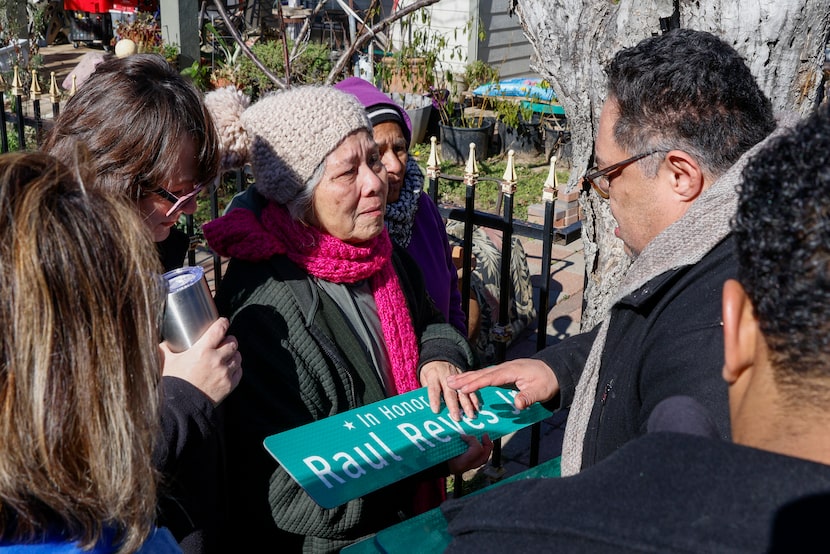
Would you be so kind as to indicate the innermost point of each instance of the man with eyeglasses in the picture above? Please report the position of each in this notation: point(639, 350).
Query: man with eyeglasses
point(682, 114)
point(769, 489)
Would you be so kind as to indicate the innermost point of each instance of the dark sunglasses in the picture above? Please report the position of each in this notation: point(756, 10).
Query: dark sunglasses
point(178, 201)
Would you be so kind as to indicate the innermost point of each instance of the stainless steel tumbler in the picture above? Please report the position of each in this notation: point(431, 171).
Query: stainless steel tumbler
point(189, 309)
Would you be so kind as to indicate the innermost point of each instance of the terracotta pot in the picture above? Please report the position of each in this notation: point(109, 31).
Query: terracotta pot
point(412, 77)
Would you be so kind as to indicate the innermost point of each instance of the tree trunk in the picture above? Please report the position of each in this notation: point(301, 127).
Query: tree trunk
point(782, 40)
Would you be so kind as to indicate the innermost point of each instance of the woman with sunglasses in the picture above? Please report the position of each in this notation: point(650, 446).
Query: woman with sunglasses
point(151, 140)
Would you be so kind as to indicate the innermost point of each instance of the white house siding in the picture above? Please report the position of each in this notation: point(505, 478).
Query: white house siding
point(505, 45)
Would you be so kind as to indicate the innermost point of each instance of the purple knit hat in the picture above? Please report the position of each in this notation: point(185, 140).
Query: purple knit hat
point(379, 106)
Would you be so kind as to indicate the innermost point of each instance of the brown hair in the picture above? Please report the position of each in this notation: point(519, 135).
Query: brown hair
point(131, 114)
point(79, 362)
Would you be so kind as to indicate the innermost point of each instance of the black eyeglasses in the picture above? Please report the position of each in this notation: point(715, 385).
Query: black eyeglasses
point(599, 180)
point(178, 201)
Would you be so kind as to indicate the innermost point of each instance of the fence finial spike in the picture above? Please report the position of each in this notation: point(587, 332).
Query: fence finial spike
point(3, 85)
point(508, 180)
point(35, 88)
point(551, 184)
point(472, 165)
point(17, 84)
point(74, 88)
point(434, 160)
point(54, 89)
point(510, 168)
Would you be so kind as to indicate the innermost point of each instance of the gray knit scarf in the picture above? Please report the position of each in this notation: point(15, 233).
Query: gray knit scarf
point(400, 215)
point(683, 243)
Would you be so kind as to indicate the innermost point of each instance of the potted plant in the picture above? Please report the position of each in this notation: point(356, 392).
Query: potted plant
point(312, 65)
point(143, 30)
point(518, 127)
point(477, 73)
point(15, 48)
point(39, 15)
point(225, 61)
point(399, 72)
point(458, 129)
point(415, 65)
point(419, 109)
point(199, 73)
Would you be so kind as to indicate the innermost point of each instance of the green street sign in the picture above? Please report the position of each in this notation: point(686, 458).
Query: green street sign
point(349, 455)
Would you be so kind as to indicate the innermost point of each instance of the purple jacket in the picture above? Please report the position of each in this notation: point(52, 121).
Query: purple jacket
point(428, 231)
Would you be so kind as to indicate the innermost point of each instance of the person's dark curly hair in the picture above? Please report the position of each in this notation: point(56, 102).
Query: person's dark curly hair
point(782, 227)
point(691, 91)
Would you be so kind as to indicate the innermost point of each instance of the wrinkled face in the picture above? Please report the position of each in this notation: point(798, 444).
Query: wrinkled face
point(154, 208)
point(350, 201)
point(633, 196)
point(393, 154)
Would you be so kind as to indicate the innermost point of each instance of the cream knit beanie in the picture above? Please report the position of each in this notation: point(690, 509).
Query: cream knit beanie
point(285, 135)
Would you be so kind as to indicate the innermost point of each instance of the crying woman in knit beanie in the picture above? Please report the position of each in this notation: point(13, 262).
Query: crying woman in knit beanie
point(285, 137)
point(329, 315)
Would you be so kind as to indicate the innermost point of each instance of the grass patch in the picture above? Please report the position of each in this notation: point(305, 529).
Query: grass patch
point(530, 181)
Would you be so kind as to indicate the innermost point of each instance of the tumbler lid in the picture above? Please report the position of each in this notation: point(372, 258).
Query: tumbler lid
point(178, 279)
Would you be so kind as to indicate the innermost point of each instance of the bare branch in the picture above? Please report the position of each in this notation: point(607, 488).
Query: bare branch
point(247, 51)
point(365, 37)
point(285, 61)
point(305, 31)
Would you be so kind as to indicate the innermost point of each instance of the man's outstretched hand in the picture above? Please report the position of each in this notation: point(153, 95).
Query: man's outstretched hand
point(534, 380)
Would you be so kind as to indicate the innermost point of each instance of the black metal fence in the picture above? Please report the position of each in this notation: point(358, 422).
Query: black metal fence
point(26, 111)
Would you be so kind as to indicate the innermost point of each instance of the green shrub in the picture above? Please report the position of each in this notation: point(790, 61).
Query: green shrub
point(312, 65)
point(478, 73)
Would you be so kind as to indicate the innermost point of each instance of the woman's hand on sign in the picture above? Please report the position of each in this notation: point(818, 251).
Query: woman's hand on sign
point(475, 456)
point(434, 376)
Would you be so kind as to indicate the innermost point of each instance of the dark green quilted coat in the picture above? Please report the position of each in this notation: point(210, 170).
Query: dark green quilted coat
point(301, 364)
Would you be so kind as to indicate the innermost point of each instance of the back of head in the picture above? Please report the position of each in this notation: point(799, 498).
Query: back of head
point(79, 360)
point(688, 90)
point(782, 227)
point(132, 114)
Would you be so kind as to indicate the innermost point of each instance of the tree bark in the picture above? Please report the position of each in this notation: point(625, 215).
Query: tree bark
point(782, 40)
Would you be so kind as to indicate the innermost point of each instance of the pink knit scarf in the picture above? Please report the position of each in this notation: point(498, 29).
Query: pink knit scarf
point(240, 235)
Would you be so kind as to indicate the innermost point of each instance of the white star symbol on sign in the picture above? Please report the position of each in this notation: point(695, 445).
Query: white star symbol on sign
point(349, 425)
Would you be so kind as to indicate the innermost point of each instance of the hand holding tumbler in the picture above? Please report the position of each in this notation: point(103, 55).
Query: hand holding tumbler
point(189, 309)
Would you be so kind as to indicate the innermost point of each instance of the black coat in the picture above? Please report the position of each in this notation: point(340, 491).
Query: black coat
point(665, 339)
point(191, 456)
point(665, 492)
point(191, 453)
point(303, 363)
